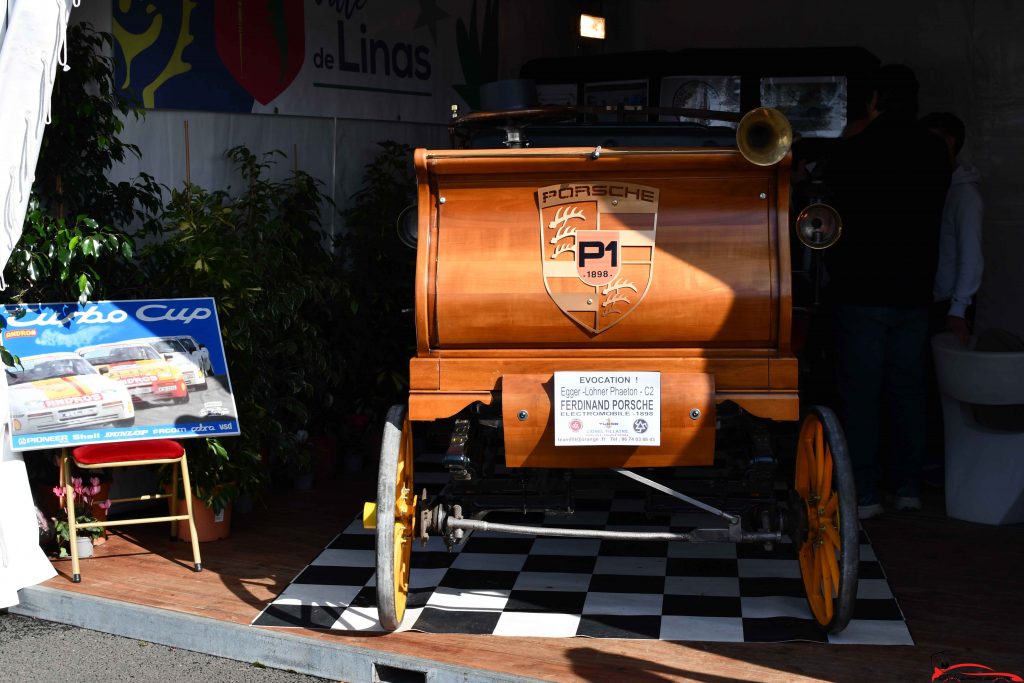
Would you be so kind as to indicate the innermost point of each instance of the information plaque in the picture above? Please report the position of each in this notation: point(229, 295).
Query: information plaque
point(607, 408)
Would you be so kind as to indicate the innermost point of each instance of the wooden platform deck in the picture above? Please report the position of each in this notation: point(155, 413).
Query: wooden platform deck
point(960, 586)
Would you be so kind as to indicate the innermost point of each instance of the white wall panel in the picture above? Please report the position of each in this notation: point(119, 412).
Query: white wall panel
point(161, 137)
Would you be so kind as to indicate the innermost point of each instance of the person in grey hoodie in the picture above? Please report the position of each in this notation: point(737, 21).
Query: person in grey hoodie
point(960, 259)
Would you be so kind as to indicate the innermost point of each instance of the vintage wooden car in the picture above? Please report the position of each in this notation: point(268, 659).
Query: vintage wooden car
point(663, 271)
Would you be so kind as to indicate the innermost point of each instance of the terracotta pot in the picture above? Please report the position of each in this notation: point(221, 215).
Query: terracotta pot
point(209, 526)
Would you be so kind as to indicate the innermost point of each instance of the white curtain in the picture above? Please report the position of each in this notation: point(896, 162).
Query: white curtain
point(32, 34)
point(22, 562)
point(3, 19)
point(33, 47)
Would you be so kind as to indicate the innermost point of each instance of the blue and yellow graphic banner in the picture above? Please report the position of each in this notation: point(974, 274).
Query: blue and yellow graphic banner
point(112, 371)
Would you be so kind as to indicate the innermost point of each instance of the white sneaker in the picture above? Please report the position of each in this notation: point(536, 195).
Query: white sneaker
point(907, 503)
point(869, 511)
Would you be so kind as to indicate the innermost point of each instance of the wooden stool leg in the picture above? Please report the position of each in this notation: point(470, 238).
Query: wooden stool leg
point(187, 485)
point(69, 506)
point(173, 500)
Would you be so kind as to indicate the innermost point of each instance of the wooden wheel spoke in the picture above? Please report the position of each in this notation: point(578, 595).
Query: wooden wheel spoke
point(831, 505)
point(812, 462)
point(816, 568)
point(827, 591)
point(831, 535)
point(820, 465)
point(832, 573)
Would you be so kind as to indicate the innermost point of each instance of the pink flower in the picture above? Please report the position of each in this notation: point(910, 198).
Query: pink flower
point(59, 492)
point(104, 505)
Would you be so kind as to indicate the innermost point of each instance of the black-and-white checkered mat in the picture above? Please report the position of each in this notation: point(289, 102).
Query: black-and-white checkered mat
point(530, 586)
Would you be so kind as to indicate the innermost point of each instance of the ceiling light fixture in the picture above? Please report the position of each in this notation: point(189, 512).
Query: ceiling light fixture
point(591, 27)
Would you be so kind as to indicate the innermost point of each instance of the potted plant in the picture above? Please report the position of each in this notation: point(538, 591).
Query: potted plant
point(86, 499)
point(218, 477)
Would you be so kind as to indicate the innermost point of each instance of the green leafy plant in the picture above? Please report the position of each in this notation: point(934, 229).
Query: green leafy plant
point(57, 259)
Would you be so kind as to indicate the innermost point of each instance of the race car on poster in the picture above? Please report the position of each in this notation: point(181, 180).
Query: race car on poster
point(143, 371)
point(57, 391)
point(198, 352)
point(177, 355)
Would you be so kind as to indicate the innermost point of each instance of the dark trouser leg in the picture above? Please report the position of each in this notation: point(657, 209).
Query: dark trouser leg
point(860, 337)
point(906, 397)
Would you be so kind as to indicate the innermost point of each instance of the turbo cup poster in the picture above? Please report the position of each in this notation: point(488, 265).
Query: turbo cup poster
point(110, 371)
point(406, 60)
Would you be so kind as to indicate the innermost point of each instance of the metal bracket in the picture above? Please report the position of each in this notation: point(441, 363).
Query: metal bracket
point(455, 459)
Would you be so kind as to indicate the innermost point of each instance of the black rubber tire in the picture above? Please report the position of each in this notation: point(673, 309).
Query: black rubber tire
point(391, 590)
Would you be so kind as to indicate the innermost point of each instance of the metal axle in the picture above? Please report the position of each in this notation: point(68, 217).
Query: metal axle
point(733, 534)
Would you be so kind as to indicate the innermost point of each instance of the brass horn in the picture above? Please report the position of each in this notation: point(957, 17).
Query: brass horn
point(764, 136)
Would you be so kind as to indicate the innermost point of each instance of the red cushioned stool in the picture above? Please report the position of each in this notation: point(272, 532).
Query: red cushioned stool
point(130, 454)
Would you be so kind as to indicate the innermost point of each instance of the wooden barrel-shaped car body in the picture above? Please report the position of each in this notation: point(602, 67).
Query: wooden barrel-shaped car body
point(534, 261)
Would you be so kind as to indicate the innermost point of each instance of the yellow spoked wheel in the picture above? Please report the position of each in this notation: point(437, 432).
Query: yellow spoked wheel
point(396, 517)
point(828, 543)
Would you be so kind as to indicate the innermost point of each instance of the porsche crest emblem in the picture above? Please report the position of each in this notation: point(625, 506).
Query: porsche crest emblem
point(597, 246)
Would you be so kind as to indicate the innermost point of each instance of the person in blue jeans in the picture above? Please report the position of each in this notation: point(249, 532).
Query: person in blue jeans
point(889, 184)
